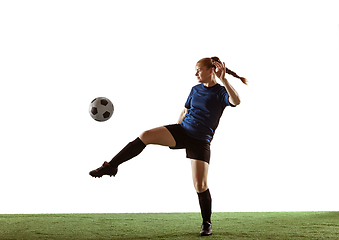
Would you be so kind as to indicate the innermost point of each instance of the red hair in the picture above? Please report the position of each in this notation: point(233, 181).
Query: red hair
point(208, 62)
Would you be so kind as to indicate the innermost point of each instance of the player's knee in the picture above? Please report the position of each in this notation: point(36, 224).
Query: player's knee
point(146, 137)
point(200, 186)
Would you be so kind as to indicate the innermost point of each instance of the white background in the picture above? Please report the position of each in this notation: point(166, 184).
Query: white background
point(277, 151)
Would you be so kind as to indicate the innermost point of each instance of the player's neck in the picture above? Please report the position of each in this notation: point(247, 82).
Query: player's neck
point(210, 83)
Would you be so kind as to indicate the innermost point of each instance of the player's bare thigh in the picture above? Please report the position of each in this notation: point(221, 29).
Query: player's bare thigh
point(159, 136)
point(199, 174)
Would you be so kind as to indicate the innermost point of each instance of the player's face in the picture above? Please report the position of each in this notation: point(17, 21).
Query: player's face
point(203, 74)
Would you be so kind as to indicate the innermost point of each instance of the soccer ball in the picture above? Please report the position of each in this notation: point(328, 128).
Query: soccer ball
point(101, 109)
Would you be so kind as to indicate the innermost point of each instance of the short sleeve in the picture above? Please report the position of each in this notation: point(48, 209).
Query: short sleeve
point(188, 101)
point(225, 98)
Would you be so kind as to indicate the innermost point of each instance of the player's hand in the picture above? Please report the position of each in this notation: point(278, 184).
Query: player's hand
point(220, 70)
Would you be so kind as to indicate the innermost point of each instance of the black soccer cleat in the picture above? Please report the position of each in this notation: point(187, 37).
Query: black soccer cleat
point(206, 229)
point(105, 169)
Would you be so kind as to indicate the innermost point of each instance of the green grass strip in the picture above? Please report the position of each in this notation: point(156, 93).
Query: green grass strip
point(258, 225)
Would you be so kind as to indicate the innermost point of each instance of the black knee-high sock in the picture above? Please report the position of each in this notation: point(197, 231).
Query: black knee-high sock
point(205, 202)
point(131, 150)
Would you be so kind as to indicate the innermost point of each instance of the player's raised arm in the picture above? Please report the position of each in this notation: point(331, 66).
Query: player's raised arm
point(220, 70)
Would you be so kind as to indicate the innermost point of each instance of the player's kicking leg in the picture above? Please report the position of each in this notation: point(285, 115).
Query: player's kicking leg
point(159, 136)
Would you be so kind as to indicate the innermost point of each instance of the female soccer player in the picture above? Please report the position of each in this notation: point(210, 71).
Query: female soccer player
point(193, 132)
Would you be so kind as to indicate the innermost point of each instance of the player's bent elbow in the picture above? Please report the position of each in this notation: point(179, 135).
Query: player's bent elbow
point(235, 103)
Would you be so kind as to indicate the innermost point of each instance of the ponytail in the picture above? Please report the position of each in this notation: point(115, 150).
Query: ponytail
point(244, 80)
point(216, 59)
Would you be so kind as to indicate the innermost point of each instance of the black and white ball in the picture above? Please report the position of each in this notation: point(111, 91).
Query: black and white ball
point(101, 109)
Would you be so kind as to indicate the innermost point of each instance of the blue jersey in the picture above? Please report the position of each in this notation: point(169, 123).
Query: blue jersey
point(205, 106)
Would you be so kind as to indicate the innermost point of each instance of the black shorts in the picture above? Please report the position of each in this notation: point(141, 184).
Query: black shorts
point(195, 148)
